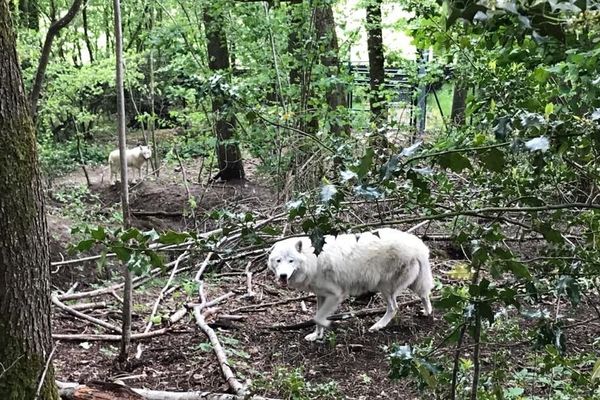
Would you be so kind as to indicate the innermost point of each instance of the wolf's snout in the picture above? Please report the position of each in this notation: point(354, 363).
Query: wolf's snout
point(283, 279)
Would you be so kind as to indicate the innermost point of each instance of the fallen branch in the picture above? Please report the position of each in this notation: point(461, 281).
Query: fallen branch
point(161, 295)
point(254, 307)
point(233, 383)
point(179, 314)
point(83, 316)
point(67, 390)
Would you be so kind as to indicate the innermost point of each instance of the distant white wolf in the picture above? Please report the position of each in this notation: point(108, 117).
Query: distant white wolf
point(136, 158)
point(385, 261)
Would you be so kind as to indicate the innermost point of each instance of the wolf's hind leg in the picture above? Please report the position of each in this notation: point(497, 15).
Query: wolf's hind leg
point(392, 307)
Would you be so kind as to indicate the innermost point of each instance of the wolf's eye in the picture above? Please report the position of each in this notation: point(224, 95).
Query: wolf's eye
point(290, 261)
point(278, 260)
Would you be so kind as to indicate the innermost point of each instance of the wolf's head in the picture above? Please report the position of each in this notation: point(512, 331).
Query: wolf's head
point(287, 261)
point(146, 152)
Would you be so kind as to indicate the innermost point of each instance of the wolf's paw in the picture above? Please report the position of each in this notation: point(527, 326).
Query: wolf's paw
point(311, 337)
point(376, 327)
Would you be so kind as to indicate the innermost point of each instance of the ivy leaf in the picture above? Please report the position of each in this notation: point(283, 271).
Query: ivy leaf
point(402, 352)
point(98, 233)
point(172, 237)
point(328, 192)
point(368, 192)
point(493, 160)
point(390, 167)
point(540, 143)
point(131, 233)
point(550, 234)
point(410, 150)
point(85, 245)
point(596, 114)
point(347, 175)
point(454, 161)
point(122, 253)
point(317, 239)
point(568, 285)
point(461, 271)
point(519, 269)
point(365, 163)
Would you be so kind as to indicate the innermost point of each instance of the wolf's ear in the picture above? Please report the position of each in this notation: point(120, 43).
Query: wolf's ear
point(299, 246)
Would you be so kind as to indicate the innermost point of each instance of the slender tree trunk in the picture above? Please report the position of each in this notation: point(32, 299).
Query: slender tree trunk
point(45, 56)
point(459, 101)
point(336, 93)
point(376, 61)
point(107, 28)
point(123, 356)
point(86, 34)
point(25, 338)
point(228, 152)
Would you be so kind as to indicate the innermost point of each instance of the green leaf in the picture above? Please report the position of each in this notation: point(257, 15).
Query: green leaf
point(550, 234)
point(461, 271)
point(172, 237)
point(519, 269)
point(454, 161)
point(85, 245)
point(122, 253)
point(131, 233)
point(365, 163)
point(98, 233)
point(493, 160)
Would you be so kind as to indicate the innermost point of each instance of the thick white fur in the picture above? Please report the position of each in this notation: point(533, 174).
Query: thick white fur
point(136, 158)
point(385, 261)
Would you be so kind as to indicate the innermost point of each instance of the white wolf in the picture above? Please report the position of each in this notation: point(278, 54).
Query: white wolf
point(136, 158)
point(385, 261)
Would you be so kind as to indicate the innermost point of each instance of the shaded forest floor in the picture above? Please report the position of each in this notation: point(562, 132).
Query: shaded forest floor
point(349, 363)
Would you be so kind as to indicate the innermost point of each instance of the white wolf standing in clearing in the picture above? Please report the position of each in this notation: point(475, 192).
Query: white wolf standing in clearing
point(385, 261)
point(136, 158)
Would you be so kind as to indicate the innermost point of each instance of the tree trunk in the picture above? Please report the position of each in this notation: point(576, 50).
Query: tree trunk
point(228, 152)
point(25, 338)
point(86, 34)
point(376, 61)
point(45, 56)
point(127, 289)
point(29, 14)
point(336, 93)
point(459, 101)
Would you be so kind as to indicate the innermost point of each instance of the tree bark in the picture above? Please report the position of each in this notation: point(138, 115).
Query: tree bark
point(25, 338)
point(228, 152)
point(326, 36)
point(86, 33)
point(376, 61)
point(45, 56)
point(127, 289)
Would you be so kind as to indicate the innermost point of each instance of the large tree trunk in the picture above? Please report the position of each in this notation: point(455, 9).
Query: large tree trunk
point(228, 152)
point(376, 61)
point(326, 36)
point(25, 338)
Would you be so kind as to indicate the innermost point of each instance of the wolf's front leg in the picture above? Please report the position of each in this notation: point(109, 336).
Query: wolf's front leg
point(325, 310)
point(318, 333)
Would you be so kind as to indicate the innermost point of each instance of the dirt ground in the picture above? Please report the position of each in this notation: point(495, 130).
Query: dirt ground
point(182, 359)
